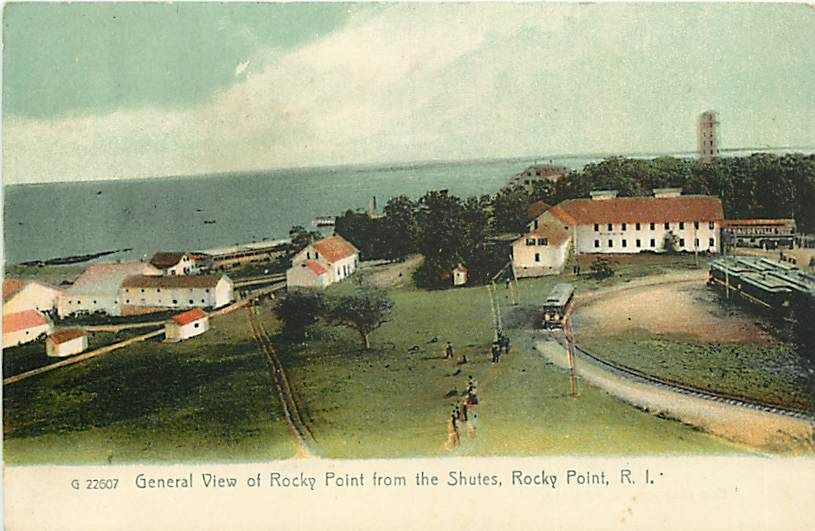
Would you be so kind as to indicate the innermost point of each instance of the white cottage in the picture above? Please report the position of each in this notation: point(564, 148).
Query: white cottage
point(459, 275)
point(338, 257)
point(23, 327)
point(186, 325)
point(66, 342)
point(177, 263)
point(20, 295)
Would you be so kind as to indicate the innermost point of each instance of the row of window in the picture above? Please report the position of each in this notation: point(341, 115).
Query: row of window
point(537, 241)
point(158, 290)
point(652, 226)
point(638, 243)
point(175, 301)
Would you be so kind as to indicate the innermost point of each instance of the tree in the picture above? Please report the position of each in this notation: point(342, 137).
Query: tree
point(509, 210)
point(299, 310)
point(300, 239)
point(364, 310)
point(601, 268)
point(671, 243)
point(401, 228)
point(441, 226)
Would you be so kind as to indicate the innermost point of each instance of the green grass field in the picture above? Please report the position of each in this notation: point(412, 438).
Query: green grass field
point(211, 398)
point(389, 402)
point(772, 373)
point(208, 398)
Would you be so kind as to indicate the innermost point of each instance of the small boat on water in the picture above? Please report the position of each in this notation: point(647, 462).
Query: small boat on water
point(210, 221)
point(323, 221)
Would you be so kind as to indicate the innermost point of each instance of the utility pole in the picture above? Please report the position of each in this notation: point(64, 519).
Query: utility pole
point(567, 331)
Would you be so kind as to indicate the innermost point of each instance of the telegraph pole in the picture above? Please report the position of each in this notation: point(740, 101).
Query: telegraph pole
point(567, 331)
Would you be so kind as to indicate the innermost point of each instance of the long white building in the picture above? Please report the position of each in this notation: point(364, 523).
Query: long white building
point(609, 224)
point(147, 293)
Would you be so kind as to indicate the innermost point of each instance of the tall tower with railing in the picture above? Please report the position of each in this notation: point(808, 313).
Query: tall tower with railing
point(708, 134)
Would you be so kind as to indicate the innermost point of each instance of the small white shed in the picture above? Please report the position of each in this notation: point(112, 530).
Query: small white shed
point(66, 342)
point(186, 325)
point(459, 275)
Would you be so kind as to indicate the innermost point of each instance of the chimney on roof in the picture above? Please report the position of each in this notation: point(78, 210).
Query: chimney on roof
point(667, 192)
point(600, 195)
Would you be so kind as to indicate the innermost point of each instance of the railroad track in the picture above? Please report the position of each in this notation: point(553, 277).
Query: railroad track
point(734, 400)
point(300, 431)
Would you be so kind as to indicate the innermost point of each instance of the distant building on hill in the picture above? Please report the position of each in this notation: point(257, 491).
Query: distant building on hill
point(22, 294)
point(610, 224)
point(533, 174)
point(147, 293)
point(708, 136)
point(323, 263)
point(178, 263)
point(24, 327)
point(96, 290)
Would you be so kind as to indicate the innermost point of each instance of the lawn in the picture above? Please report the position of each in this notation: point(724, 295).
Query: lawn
point(395, 400)
point(208, 398)
point(773, 373)
point(32, 355)
point(211, 398)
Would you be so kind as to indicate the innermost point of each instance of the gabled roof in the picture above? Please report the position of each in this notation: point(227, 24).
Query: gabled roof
point(174, 281)
point(549, 227)
point(66, 335)
point(24, 320)
point(334, 248)
point(188, 317)
point(164, 260)
point(105, 279)
point(12, 286)
point(460, 268)
point(639, 209)
point(536, 209)
point(316, 267)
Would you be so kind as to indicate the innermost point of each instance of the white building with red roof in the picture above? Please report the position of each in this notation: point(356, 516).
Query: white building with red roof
point(322, 263)
point(186, 325)
point(23, 327)
point(609, 224)
point(22, 294)
point(66, 343)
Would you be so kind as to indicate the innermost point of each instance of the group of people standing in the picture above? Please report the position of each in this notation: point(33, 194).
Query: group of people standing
point(500, 346)
point(464, 413)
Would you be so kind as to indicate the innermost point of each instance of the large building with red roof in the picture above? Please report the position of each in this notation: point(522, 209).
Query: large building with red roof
point(322, 263)
point(608, 224)
point(96, 290)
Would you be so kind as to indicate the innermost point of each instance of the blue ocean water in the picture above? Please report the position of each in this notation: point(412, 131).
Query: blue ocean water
point(63, 219)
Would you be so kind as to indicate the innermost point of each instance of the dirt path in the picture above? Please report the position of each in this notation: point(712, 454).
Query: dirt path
point(301, 435)
point(763, 430)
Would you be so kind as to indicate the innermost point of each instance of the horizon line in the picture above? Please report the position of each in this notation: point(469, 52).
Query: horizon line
point(395, 165)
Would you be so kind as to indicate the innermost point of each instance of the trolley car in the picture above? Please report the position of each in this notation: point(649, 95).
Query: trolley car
point(558, 305)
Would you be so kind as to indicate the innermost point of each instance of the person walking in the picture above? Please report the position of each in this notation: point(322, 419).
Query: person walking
point(494, 351)
point(454, 423)
point(464, 412)
point(448, 351)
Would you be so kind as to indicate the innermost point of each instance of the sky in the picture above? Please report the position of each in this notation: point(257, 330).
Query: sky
point(116, 91)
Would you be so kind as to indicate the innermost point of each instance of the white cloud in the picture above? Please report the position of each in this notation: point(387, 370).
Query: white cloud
point(409, 82)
